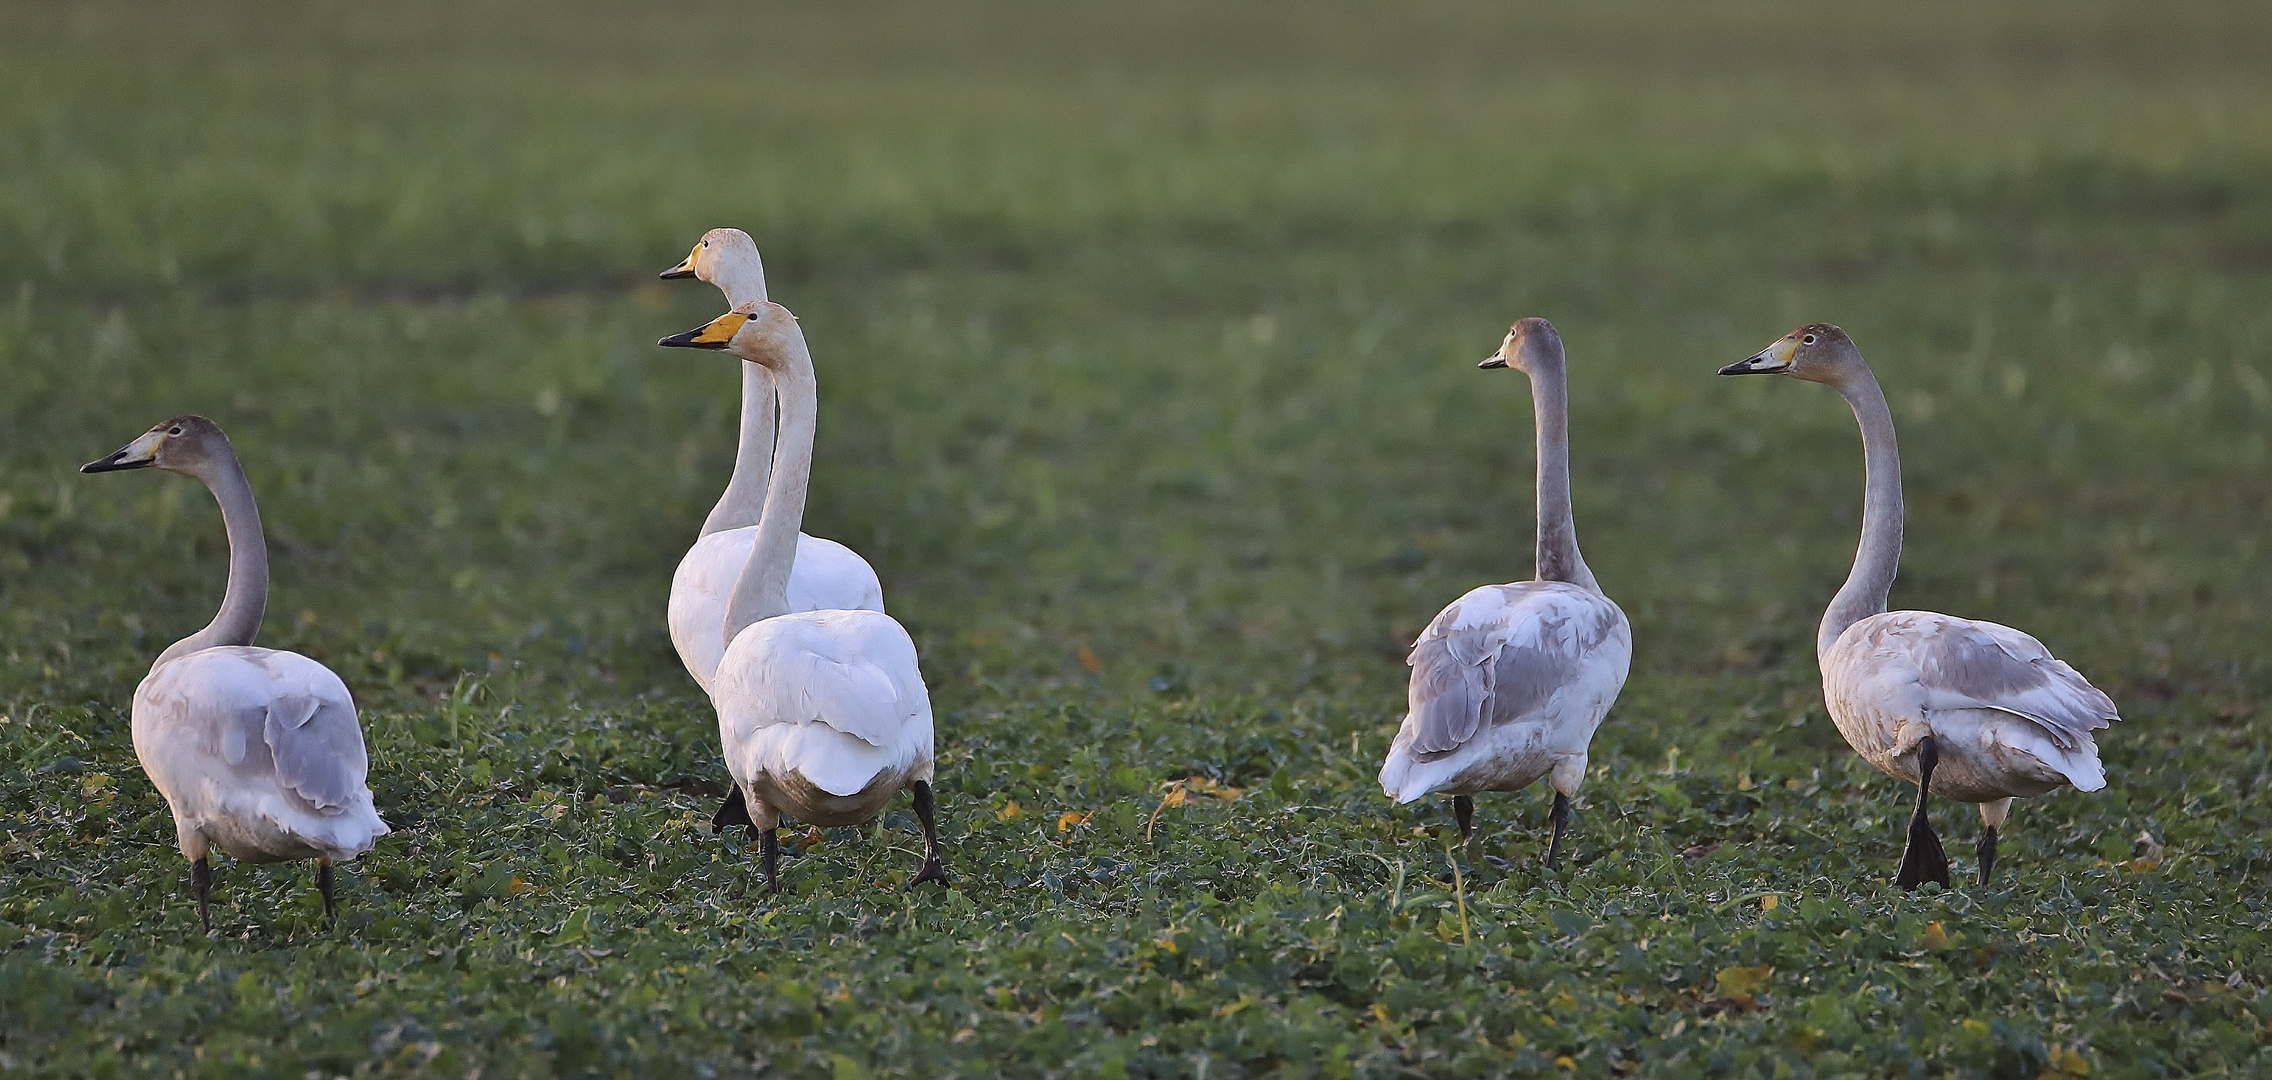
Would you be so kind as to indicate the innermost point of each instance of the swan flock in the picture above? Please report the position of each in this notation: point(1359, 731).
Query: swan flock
point(824, 717)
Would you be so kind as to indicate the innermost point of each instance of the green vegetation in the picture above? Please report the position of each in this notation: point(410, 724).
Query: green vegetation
point(1147, 342)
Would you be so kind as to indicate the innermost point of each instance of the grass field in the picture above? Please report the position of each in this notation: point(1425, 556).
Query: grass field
point(1147, 343)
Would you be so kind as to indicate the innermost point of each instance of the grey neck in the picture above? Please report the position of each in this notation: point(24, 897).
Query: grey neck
point(238, 621)
point(1557, 553)
point(763, 589)
point(1878, 558)
point(744, 500)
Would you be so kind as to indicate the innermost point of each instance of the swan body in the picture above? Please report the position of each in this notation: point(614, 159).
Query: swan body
point(822, 714)
point(1508, 685)
point(2010, 718)
point(257, 752)
point(1510, 682)
point(1974, 711)
point(826, 575)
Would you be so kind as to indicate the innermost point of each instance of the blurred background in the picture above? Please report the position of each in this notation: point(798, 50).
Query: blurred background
point(1146, 338)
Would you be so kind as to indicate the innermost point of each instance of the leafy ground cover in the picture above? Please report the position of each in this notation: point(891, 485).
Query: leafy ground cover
point(1147, 345)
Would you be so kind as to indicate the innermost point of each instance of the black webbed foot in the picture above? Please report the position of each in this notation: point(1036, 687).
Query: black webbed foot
point(934, 870)
point(1463, 810)
point(731, 812)
point(1560, 820)
point(1922, 859)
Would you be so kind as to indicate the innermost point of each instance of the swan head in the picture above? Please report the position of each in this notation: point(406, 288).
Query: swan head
point(722, 255)
point(1528, 344)
point(185, 444)
point(759, 332)
point(1816, 352)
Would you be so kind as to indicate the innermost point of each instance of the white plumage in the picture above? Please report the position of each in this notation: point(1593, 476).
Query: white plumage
point(826, 575)
point(823, 713)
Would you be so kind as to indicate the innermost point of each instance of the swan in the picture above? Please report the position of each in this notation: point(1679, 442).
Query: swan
point(1510, 681)
point(1971, 710)
point(827, 574)
point(257, 751)
point(823, 714)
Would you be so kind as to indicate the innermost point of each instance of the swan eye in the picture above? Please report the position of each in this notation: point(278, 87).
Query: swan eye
point(174, 431)
point(1807, 340)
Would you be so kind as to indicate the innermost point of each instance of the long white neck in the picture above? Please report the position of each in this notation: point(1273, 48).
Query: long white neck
point(246, 600)
point(743, 281)
point(1557, 553)
point(763, 590)
point(744, 500)
point(1878, 558)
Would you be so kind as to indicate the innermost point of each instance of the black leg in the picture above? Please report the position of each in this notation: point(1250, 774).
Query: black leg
point(1463, 808)
point(933, 870)
point(323, 884)
point(1987, 852)
point(201, 886)
point(1561, 821)
point(733, 811)
point(769, 846)
point(1923, 860)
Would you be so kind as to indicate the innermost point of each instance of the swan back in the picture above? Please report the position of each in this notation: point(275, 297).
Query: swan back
point(1544, 653)
point(827, 576)
point(837, 696)
point(260, 750)
point(1914, 664)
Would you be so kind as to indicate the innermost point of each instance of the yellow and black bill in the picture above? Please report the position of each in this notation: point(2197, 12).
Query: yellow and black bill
point(715, 334)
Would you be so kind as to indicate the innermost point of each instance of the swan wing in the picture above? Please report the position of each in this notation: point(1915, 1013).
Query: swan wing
point(853, 671)
point(1501, 652)
point(1969, 664)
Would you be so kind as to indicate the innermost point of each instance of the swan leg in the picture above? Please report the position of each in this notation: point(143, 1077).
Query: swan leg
point(323, 885)
point(769, 854)
point(201, 886)
point(925, 812)
point(1922, 859)
point(1992, 815)
point(734, 811)
point(1560, 820)
point(1463, 808)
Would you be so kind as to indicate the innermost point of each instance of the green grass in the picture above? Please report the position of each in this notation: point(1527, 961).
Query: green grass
point(1151, 333)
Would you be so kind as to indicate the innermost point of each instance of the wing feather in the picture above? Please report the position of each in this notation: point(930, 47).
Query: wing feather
point(1501, 652)
point(1970, 664)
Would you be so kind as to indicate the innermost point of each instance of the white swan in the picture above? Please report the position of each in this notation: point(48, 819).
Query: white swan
point(827, 574)
point(1974, 711)
point(1510, 681)
point(258, 752)
point(823, 714)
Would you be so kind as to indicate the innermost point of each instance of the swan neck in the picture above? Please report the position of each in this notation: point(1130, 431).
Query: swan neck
point(763, 590)
point(1557, 551)
point(743, 502)
point(246, 598)
point(1878, 558)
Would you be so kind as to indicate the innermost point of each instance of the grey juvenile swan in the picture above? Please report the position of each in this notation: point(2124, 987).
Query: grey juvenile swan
point(1510, 681)
point(1974, 711)
point(257, 751)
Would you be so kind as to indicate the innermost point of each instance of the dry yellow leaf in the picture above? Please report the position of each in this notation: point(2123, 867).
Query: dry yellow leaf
point(1088, 658)
point(1070, 818)
point(1009, 810)
point(1770, 902)
point(1742, 981)
point(1935, 937)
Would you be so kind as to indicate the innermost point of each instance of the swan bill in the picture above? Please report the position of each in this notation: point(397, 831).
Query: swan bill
point(715, 334)
point(139, 454)
point(1772, 360)
point(685, 267)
